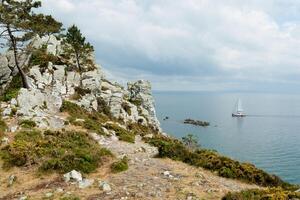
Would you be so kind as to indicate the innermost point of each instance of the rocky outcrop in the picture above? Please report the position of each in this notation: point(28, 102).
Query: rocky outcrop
point(8, 68)
point(141, 93)
point(53, 44)
point(53, 84)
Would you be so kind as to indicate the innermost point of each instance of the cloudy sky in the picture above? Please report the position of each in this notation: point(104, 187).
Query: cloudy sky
point(214, 45)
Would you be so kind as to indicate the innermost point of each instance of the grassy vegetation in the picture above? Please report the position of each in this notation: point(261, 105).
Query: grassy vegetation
point(3, 126)
point(95, 121)
point(136, 102)
point(80, 92)
point(72, 197)
point(91, 120)
point(42, 58)
point(211, 160)
point(191, 142)
point(123, 134)
point(103, 107)
point(120, 166)
point(268, 194)
point(54, 151)
point(13, 89)
point(139, 129)
point(27, 124)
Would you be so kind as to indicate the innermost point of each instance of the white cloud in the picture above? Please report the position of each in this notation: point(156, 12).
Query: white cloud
point(61, 5)
point(200, 41)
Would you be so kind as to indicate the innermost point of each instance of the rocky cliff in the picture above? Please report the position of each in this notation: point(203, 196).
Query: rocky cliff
point(76, 135)
point(54, 83)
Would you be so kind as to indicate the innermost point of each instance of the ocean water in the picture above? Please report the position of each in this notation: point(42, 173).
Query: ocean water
point(269, 137)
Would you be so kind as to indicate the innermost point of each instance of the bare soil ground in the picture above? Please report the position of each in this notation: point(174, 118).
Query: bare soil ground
point(147, 178)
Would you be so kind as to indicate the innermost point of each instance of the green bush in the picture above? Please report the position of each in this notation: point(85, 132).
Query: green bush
point(27, 124)
point(54, 151)
point(42, 58)
point(3, 126)
point(92, 120)
point(80, 92)
point(137, 102)
point(103, 107)
point(120, 166)
point(267, 194)
point(211, 160)
point(122, 133)
point(139, 129)
point(191, 142)
point(13, 89)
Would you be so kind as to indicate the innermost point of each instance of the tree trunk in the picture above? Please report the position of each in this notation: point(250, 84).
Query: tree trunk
point(79, 67)
point(14, 46)
point(78, 62)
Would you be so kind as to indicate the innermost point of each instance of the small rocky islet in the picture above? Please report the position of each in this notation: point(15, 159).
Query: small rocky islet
point(73, 134)
point(196, 122)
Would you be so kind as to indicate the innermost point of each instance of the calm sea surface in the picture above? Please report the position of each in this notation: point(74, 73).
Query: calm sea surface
point(268, 138)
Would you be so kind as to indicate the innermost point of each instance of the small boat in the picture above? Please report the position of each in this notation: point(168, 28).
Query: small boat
point(239, 111)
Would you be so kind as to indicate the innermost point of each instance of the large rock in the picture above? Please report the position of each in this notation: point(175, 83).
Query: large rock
point(53, 45)
point(5, 71)
point(140, 92)
point(92, 80)
point(40, 107)
point(113, 95)
point(8, 67)
point(73, 176)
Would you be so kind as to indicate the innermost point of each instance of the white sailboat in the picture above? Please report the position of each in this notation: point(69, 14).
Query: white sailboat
point(239, 111)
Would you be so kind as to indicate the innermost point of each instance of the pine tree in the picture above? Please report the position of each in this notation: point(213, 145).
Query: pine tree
point(19, 24)
point(76, 45)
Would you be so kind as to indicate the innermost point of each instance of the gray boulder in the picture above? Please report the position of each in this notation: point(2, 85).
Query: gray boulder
point(140, 91)
point(73, 176)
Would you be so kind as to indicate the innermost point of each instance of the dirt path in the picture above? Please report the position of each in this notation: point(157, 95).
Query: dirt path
point(147, 178)
point(153, 178)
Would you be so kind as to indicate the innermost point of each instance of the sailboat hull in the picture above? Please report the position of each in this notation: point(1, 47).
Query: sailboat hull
point(238, 115)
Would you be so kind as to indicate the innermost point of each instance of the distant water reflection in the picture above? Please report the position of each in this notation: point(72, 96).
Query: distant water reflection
point(269, 136)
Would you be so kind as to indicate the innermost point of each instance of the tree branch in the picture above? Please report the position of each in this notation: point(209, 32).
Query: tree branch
point(2, 33)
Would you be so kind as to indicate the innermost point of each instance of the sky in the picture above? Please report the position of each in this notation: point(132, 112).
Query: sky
point(192, 45)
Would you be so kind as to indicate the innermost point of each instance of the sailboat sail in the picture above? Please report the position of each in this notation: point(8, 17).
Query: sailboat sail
point(239, 112)
point(239, 106)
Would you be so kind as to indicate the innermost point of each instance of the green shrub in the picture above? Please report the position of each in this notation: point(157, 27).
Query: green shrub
point(13, 112)
point(73, 109)
point(27, 124)
point(211, 160)
point(122, 133)
point(3, 126)
point(267, 194)
point(54, 151)
point(80, 92)
point(103, 107)
point(42, 58)
point(191, 142)
point(92, 120)
point(137, 102)
point(139, 129)
point(120, 166)
point(12, 89)
point(76, 112)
